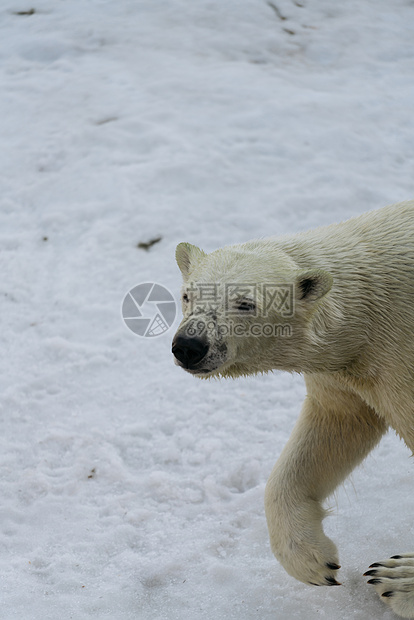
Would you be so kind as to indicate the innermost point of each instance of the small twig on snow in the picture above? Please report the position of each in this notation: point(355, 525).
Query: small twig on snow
point(276, 10)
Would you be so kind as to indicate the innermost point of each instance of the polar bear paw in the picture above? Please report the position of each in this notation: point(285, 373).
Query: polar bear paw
point(311, 559)
point(393, 580)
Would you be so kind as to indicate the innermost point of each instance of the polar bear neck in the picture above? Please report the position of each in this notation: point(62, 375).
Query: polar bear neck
point(371, 259)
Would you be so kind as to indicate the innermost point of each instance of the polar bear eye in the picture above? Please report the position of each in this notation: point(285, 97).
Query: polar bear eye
point(185, 297)
point(246, 305)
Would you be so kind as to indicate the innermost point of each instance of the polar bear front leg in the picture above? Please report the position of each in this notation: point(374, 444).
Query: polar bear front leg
point(393, 580)
point(334, 433)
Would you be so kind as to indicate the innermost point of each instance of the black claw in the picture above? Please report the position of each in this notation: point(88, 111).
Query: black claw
point(332, 566)
point(314, 584)
point(374, 582)
point(370, 572)
point(375, 564)
point(332, 581)
point(387, 594)
point(396, 557)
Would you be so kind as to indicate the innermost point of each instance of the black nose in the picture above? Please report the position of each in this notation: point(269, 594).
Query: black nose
point(189, 351)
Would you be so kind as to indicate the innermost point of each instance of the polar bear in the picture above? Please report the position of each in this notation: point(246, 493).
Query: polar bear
point(336, 304)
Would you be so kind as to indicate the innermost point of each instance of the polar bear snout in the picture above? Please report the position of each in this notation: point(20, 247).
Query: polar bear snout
point(189, 350)
point(199, 352)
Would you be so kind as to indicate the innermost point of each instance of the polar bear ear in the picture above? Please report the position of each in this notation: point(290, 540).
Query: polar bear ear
point(185, 255)
point(314, 284)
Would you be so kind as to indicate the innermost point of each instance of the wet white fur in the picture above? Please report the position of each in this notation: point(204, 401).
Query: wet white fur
point(353, 339)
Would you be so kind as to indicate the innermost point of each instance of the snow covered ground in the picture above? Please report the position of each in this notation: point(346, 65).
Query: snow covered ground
point(129, 489)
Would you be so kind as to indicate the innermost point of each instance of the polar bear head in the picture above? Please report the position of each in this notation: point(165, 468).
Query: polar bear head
point(247, 308)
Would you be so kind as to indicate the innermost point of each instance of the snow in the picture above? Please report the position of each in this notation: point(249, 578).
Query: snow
point(128, 488)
